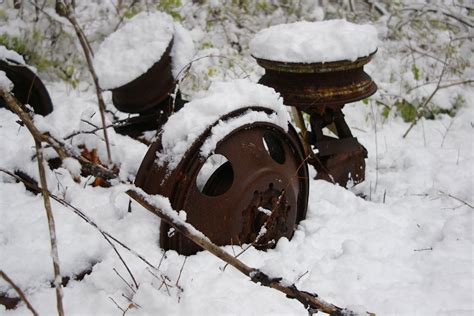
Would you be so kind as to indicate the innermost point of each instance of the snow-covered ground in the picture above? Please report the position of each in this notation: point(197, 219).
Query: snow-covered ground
point(401, 243)
point(405, 249)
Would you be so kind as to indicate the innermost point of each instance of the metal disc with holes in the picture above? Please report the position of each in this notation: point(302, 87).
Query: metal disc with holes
point(252, 189)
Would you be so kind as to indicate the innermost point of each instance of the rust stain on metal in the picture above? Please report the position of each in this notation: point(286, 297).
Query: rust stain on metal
point(148, 90)
point(322, 90)
point(28, 88)
point(263, 161)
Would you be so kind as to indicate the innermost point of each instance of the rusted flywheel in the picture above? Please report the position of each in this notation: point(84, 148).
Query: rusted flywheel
point(260, 186)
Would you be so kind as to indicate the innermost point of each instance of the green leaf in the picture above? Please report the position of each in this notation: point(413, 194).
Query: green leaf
point(415, 71)
point(407, 111)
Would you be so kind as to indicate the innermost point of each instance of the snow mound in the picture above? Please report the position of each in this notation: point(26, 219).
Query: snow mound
point(314, 42)
point(5, 53)
point(184, 127)
point(5, 83)
point(183, 49)
point(136, 46)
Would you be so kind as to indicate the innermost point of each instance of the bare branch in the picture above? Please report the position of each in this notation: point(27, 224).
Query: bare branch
point(66, 9)
point(52, 229)
point(428, 100)
point(61, 148)
point(34, 187)
point(310, 301)
point(20, 293)
point(458, 199)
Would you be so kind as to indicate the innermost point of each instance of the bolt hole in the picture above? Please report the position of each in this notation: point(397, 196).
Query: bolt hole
point(270, 185)
point(215, 176)
point(274, 147)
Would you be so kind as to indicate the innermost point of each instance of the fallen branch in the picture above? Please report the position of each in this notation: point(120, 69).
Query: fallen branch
point(61, 148)
point(309, 300)
point(20, 293)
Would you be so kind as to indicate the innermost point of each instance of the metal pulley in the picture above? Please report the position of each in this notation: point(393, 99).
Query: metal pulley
point(322, 90)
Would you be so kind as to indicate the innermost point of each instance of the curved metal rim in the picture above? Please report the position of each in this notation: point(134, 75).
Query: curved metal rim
point(319, 67)
point(178, 184)
point(28, 87)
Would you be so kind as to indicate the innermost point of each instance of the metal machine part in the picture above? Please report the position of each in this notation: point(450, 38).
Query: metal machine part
point(149, 98)
point(322, 90)
point(148, 90)
point(28, 88)
point(256, 194)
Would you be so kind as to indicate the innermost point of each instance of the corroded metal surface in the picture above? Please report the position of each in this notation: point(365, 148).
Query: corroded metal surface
point(313, 87)
point(332, 66)
point(149, 90)
point(265, 174)
point(28, 88)
point(151, 120)
point(321, 90)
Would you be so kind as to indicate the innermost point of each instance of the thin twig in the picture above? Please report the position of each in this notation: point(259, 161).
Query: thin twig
point(82, 215)
point(124, 281)
point(52, 229)
point(376, 147)
point(428, 100)
point(123, 15)
point(458, 199)
point(62, 149)
point(446, 132)
point(18, 291)
point(66, 9)
point(118, 306)
point(181, 271)
point(121, 259)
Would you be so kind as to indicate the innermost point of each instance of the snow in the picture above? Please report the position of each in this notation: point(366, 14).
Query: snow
point(357, 252)
point(400, 243)
point(183, 50)
point(314, 42)
point(5, 83)
point(184, 127)
point(12, 55)
point(133, 49)
point(73, 166)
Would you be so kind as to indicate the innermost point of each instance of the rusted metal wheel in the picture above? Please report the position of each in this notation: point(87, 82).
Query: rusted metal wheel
point(261, 180)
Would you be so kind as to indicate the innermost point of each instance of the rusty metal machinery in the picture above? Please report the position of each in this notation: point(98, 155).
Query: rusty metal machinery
point(322, 90)
point(149, 96)
point(257, 195)
point(27, 87)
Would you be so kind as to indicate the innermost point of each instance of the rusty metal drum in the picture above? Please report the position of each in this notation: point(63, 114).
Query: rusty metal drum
point(148, 91)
